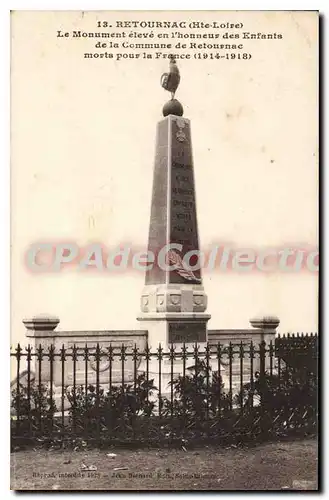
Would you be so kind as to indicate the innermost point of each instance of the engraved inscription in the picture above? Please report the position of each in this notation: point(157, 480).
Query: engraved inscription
point(183, 221)
point(187, 332)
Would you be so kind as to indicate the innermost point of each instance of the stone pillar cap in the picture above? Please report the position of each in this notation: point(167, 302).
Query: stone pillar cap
point(265, 322)
point(41, 322)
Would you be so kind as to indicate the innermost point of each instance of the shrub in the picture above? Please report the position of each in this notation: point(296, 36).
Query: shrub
point(285, 403)
point(32, 408)
point(291, 390)
point(118, 411)
point(198, 397)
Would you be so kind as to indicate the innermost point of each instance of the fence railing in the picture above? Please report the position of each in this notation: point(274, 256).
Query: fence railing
point(120, 393)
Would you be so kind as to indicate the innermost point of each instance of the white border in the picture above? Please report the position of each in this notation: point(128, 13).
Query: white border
point(5, 7)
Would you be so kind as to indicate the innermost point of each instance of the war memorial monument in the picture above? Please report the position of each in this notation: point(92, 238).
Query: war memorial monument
point(173, 300)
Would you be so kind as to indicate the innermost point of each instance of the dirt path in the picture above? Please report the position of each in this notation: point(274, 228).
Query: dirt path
point(270, 466)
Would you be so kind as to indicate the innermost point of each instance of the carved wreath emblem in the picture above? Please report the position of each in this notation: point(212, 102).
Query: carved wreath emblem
point(175, 299)
point(180, 135)
point(103, 365)
point(198, 299)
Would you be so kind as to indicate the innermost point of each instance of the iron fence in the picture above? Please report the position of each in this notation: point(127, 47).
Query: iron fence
point(236, 391)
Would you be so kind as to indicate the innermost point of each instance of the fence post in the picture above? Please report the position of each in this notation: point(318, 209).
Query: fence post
point(266, 330)
point(40, 329)
point(263, 390)
point(267, 326)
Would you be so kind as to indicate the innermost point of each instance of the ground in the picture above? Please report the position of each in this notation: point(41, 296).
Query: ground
point(270, 466)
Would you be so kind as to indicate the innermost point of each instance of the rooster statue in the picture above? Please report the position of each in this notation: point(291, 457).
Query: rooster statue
point(170, 81)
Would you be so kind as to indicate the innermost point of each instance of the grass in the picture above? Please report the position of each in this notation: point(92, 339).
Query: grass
point(270, 466)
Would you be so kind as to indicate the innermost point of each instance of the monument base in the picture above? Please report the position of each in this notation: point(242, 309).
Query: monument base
point(172, 329)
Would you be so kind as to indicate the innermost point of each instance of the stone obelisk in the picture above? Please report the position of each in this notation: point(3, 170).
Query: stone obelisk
point(173, 301)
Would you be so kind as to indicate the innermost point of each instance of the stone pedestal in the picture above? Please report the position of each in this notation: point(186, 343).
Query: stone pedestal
point(266, 326)
point(41, 332)
point(178, 329)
